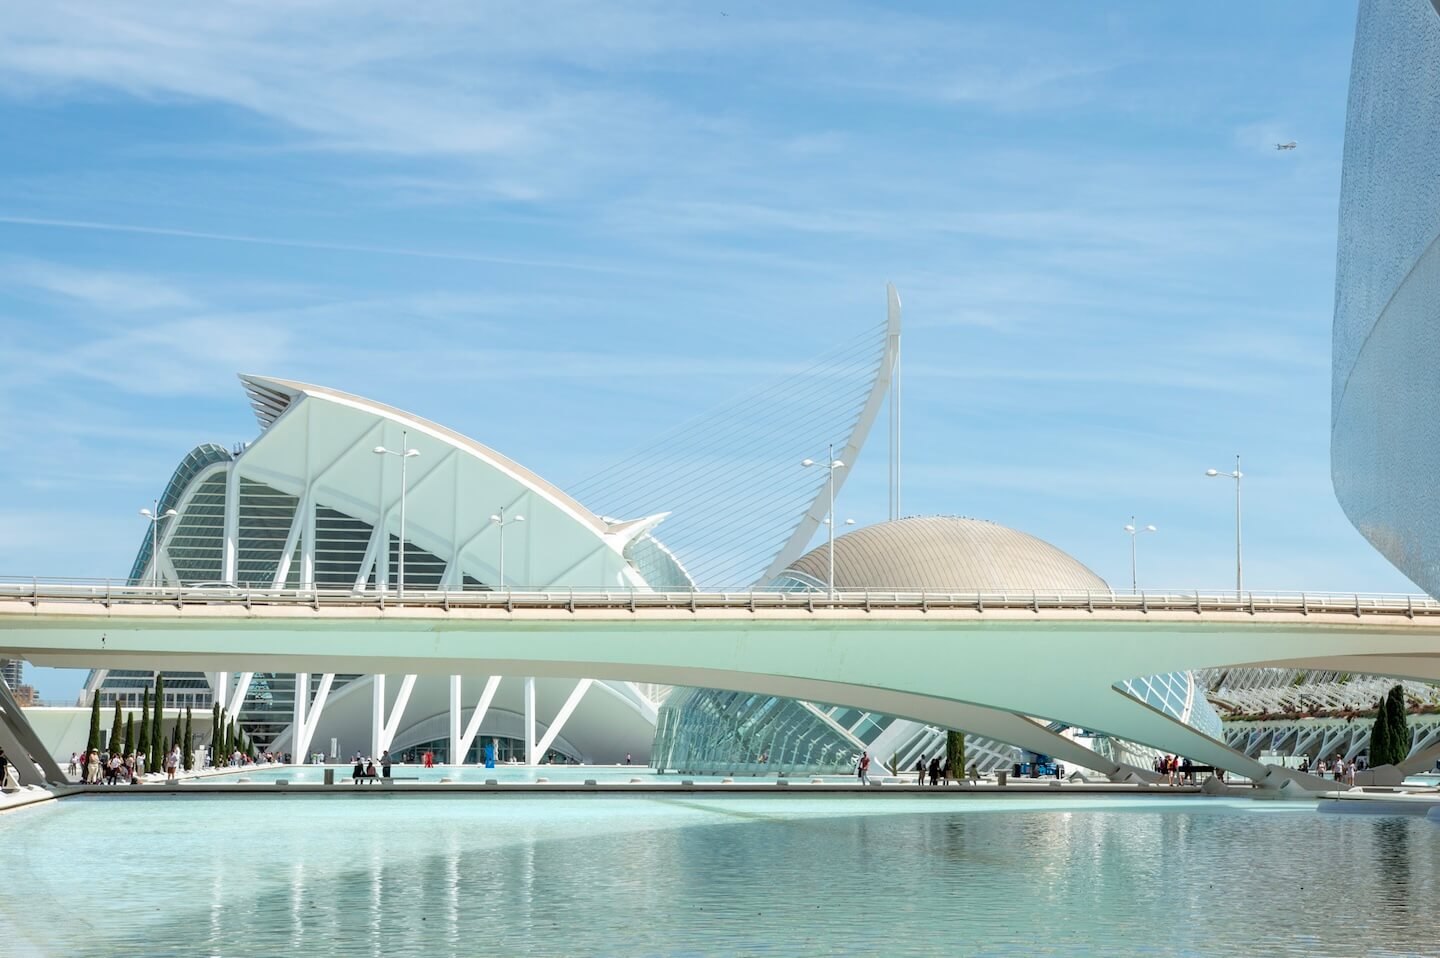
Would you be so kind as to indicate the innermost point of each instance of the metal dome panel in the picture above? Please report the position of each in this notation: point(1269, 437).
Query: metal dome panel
point(947, 554)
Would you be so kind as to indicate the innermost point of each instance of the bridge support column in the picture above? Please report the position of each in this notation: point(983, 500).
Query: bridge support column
point(460, 741)
point(456, 757)
point(21, 744)
point(383, 727)
point(530, 756)
point(563, 716)
point(377, 713)
point(307, 716)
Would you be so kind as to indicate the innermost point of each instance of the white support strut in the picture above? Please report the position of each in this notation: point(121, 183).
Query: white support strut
point(385, 726)
point(460, 746)
point(562, 716)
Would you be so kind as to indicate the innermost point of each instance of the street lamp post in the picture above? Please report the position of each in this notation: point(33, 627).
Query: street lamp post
point(500, 520)
point(1237, 475)
point(1135, 531)
point(831, 464)
point(156, 518)
point(405, 453)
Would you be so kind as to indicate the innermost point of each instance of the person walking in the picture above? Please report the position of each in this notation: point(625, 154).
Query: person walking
point(5, 769)
point(385, 764)
point(920, 770)
point(862, 768)
point(92, 768)
point(935, 770)
point(172, 762)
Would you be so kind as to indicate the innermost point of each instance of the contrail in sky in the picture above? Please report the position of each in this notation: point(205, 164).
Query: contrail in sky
point(303, 244)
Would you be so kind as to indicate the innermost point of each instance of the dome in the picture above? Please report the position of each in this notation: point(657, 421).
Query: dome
point(944, 554)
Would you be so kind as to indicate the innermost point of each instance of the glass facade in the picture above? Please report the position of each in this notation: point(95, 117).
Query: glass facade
point(1385, 436)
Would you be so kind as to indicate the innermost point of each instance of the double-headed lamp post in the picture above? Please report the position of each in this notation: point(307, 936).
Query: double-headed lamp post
point(156, 517)
point(1135, 531)
point(405, 453)
point(500, 520)
point(1237, 475)
point(831, 464)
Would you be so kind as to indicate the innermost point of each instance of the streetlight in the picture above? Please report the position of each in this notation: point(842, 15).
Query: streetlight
point(500, 520)
point(1237, 475)
point(830, 465)
point(1135, 531)
point(405, 455)
point(156, 518)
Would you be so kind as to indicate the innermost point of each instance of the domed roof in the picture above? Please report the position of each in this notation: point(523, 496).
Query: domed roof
point(946, 554)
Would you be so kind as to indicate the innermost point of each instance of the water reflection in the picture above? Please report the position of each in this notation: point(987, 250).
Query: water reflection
point(460, 876)
point(1392, 859)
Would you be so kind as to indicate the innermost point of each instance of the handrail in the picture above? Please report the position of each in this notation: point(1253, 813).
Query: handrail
point(109, 593)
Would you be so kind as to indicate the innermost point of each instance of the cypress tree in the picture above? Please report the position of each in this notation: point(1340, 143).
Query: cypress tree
point(188, 749)
point(215, 735)
point(142, 747)
point(117, 729)
point(1380, 735)
point(130, 734)
point(157, 734)
point(94, 744)
point(1399, 728)
point(955, 754)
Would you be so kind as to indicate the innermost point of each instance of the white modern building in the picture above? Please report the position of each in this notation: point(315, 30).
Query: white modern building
point(333, 485)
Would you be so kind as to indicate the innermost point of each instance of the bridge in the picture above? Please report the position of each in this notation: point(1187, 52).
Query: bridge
point(986, 663)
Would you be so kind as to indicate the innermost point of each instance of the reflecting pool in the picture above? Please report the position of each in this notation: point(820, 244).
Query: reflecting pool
point(390, 875)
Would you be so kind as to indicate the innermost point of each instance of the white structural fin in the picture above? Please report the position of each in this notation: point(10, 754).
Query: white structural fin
point(810, 521)
point(741, 504)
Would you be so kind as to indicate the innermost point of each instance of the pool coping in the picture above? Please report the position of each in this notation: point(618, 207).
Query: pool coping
point(684, 787)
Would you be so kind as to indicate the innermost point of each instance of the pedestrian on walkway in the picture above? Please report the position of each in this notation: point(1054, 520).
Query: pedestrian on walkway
point(935, 770)
point(385, 764)
point(920, 770)
point(862, 768)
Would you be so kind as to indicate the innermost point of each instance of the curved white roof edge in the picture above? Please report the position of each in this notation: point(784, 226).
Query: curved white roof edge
point(805, 529)
point(272, 398)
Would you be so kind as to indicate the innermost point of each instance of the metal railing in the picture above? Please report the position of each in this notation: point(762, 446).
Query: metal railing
point(108, 592)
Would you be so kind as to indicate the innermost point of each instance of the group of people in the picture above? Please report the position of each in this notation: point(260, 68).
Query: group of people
point(105, 768)
point(1339, 769)
point(364, 769)
point(1177, 770)
point(938, 771)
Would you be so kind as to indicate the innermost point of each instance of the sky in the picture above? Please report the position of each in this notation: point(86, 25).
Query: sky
point(563, 228)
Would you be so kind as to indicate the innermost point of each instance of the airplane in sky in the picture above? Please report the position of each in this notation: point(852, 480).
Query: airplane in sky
point(1286, 146)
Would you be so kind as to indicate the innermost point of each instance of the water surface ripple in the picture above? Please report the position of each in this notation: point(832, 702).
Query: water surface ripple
point(555, 875)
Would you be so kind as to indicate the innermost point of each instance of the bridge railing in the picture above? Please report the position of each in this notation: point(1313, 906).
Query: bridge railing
point(107, 592)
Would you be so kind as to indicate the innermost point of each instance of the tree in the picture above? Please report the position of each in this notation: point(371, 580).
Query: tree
point(117, 728)
point(955, 753)
point(142, 748)
point(130, 734)
point(157, 734)
point(189, 746)
point(215, 735)
point(94, 744)
point(1399, 728)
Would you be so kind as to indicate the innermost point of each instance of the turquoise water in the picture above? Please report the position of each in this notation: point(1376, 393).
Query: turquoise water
point(391, 875)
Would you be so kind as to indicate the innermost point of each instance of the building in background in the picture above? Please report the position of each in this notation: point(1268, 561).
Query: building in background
point(1385, 433)
point(713, 731)
point(310, 505)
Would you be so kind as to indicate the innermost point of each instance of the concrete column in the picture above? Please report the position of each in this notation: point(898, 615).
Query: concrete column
point(229, 556)
point(299, 718)
point(530, 756)
point(307, 544)
point(455, 757)
point(377, 714)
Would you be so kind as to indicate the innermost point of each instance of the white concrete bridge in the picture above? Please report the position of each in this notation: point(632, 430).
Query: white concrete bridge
point(987, 663)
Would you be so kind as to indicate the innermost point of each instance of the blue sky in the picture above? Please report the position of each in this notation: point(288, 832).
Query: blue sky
point(550, 226)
